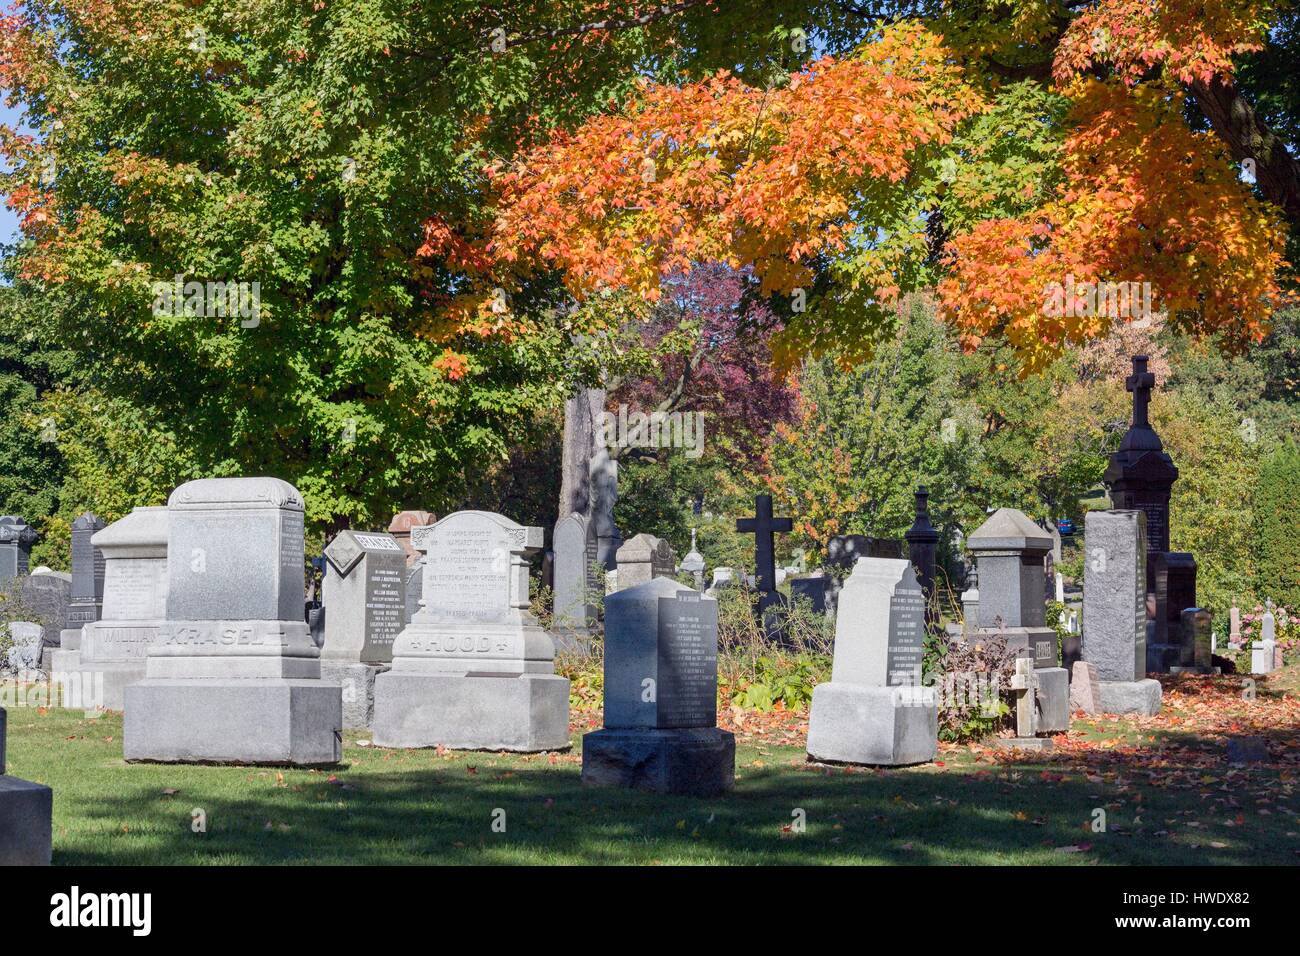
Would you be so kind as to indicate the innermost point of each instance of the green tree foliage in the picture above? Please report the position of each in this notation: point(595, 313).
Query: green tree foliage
point(1277, 543)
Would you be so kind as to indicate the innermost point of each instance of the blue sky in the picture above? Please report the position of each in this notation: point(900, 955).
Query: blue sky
point(8, 221)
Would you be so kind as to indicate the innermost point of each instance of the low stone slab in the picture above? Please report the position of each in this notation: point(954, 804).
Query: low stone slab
point(358, 683)
point(880, 726)
point(26, 814)
point(1036, 744)
point(1140, 697)
point(1053, 699)
point(697, 762)
point(266, 721)
point(525, 713)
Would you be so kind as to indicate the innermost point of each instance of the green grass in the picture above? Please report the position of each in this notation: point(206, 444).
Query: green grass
point(382, 806)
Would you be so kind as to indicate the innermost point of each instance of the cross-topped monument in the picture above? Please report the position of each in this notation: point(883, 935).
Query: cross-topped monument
point(922, 539)
point(1140, 384)
point(762, 526)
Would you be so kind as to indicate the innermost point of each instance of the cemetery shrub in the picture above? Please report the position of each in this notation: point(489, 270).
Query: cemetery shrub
point(1277, 552)
point(756, 672)
point(974, 681)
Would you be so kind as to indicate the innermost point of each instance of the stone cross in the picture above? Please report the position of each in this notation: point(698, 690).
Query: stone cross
point(762, 526)
point(1140, 384)
point(1023, 684)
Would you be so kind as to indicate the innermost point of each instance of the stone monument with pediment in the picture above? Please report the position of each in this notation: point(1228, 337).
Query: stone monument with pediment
point(234, 676)
point(473, 670)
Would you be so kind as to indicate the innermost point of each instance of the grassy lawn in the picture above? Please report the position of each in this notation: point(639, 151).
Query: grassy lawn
point(1169, 794)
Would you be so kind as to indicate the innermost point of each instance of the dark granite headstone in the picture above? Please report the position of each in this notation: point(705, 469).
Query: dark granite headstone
point(46, 598)
point(1174, 590)
point(922, 540)
point(843, 550)
point(87, 572)
point(16, 540)
point(812, 589)
point(1140, 474)
point(688, 661)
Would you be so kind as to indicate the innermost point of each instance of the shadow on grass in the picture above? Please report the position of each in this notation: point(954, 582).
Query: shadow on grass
point(1026, 813)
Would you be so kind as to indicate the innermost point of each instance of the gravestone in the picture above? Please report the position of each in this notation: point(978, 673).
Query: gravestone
point(24, 653)
point(401, 526)
point(1139, 475)
point(234, 676)
point(1009, 551)
point(113, 649)
point(1084, 693)
point(875, 709)
point(576, 583)
point(1024, 684)
point(644, 557)
point(812, 588)
point(1263, 652)
point(661, 695)
point(843, 550)
point(1234, 628)
point(26, 815)
point(970, 603)
point(16, 540)
point(473, 670)
point(1174, 590)
point(87, 577)
point(763, 527)
point(693, 564)
point(1114, 611)
point(922, 540)
point(365, 601)
point(1197, 627)
point(46, 597)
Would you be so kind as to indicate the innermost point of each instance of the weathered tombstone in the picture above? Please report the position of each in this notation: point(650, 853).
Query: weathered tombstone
point(400, 528)
point(1114, 611)
point(721, 578)
point(576, 584)
point(922, 540)
point(16, 540)
point(1263, 656)
point(113, 649)
point(1009, 551)
point(46, 597)
point(474, 670)
point(1084, 693)
point(1025, 686)
point(1196, 627)
point(365, 601)
point(811, 588)
point(644, 557)
point(875, 709)
point(693, 564)
point(1234, 630)
point(25, 651)
point(87, 579)
point(26, 816)
point(234, 675)
point(763, 527)
point(661, 695)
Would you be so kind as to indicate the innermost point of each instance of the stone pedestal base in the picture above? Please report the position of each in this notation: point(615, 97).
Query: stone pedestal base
point(1262, 660)
point(1162, 658)
point(1053, 699)
point(235, 720)
point(883, 726)
point(358, 683)
point(26, 811)
point(1131, 697)
point(92, 686)
point(526, 713)
point(1038, 744)
point(697, 762)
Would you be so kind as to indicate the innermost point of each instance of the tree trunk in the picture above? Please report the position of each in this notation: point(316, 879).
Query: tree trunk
point(1248, 137)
